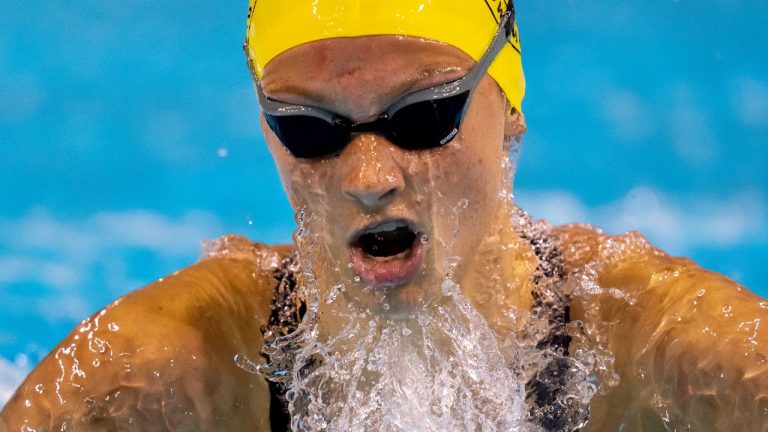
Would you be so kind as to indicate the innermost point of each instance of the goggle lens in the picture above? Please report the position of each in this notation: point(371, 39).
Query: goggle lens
point(427, 124)
point(420, 125)
point(307, 137)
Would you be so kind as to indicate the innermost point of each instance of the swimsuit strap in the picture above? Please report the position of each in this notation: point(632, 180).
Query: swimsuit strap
point(287, 312)
point(551, 302)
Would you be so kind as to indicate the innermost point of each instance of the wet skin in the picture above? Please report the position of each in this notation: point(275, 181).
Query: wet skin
point(688, 343)
point(372, 180)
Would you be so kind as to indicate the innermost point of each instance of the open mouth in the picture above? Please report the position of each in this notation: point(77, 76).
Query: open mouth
point(386, 253)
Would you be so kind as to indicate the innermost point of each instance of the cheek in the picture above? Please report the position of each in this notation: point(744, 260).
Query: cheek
point(477, 179)
point(479, 158)
point(309, 186)
point(288, 170)
point(477, 172)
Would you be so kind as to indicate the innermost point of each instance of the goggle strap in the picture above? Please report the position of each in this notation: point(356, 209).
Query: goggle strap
point(506, 26)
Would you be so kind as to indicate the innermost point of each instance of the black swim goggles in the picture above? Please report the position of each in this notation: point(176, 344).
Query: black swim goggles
point(424, 119)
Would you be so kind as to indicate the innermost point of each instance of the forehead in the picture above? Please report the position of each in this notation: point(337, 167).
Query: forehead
point(369, 69)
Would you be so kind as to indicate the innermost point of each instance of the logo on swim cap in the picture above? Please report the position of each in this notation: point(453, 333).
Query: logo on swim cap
point(497, 9)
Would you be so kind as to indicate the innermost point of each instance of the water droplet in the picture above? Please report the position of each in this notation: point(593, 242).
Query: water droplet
point(463, 203)
point(222, 152)
point(246, 364)
point(449, 287)
point(641, 374)
point(453, 261)
point(423, 319)
point(334, 293)
point(379, 296)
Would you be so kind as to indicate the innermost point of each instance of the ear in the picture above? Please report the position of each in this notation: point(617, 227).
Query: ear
point(514, 126)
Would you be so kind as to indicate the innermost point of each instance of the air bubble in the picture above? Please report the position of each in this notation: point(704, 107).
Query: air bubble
point(453, 261)
point(449, 287)
point(463, 203)
point(423, 319)
point(334, 293)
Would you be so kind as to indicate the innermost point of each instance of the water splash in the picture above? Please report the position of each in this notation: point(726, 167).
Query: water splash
point(444, 367)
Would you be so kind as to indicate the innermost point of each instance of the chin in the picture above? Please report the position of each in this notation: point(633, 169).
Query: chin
point(406, 300)
point(402, 301)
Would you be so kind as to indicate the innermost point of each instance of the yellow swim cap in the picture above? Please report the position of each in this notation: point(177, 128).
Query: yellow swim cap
point(275, 26)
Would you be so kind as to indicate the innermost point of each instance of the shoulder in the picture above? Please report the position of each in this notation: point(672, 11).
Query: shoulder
point(628, 264)
point(163, 354)
point(681, 345)
point(630, 276)
point(625, 280)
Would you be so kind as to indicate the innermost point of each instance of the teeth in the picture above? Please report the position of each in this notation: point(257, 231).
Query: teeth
point(389, 226)
point(399, 256)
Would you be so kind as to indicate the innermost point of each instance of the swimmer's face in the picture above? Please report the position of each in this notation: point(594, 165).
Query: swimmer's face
point(388, 220)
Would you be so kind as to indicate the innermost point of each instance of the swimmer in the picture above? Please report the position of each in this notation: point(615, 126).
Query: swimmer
point(417, 296)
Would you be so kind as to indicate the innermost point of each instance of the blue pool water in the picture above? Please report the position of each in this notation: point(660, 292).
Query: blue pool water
point(129, 133)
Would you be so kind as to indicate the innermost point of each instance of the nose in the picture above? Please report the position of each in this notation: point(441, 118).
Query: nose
point(374, 178)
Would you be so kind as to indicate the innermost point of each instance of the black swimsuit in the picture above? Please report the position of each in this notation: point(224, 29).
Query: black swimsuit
point(549, 303)
point(552, 303)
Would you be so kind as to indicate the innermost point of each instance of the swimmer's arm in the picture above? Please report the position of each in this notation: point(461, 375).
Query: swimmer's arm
point(160, 358)
point(707, 359)
point(690, 346)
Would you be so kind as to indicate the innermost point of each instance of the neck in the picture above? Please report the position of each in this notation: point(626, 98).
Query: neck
point(498, 281)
